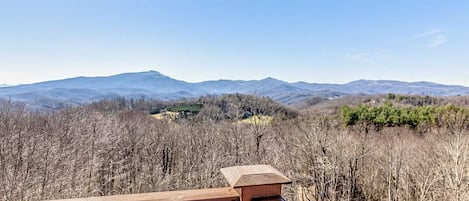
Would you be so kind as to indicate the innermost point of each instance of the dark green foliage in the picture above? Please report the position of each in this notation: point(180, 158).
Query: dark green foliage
point(157, 110)
point(391, 96)
point(452, 116)
point(186, 108)
point(388, 116)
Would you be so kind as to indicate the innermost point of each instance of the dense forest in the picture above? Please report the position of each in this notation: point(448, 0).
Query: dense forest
point(391, 147)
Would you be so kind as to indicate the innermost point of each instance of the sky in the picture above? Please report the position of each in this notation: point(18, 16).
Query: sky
point(195, 40)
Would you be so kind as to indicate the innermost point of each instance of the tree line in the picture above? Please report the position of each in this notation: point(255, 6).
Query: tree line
point(388, 115)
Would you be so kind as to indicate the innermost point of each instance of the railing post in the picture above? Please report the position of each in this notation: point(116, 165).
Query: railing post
point(256, 182)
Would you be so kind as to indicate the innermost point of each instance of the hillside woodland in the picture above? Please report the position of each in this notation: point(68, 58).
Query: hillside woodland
point(372, 148)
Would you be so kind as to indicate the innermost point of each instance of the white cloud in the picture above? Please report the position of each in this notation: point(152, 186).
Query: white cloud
point(369, 57)
point(438, 40)
point(434, 37)
point(431, 32)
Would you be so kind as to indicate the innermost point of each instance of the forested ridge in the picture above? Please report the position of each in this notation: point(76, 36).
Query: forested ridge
point(353, 148)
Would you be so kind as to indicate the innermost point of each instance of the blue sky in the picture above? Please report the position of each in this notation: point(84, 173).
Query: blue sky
point(195, 40)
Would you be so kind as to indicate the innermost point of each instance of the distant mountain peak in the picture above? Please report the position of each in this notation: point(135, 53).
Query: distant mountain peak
point(155, 74)
point(147, 75)
point(149, 72)
point(152, 72)
point(272, 80)
point(359, 81)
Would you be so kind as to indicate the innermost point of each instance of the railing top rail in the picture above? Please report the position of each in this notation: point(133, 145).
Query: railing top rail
point(212, 194)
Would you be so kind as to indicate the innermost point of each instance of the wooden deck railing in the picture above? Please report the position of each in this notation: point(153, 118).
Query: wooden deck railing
point(253, 182)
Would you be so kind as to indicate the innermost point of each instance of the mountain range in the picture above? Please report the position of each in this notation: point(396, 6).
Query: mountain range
point(154, 85)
